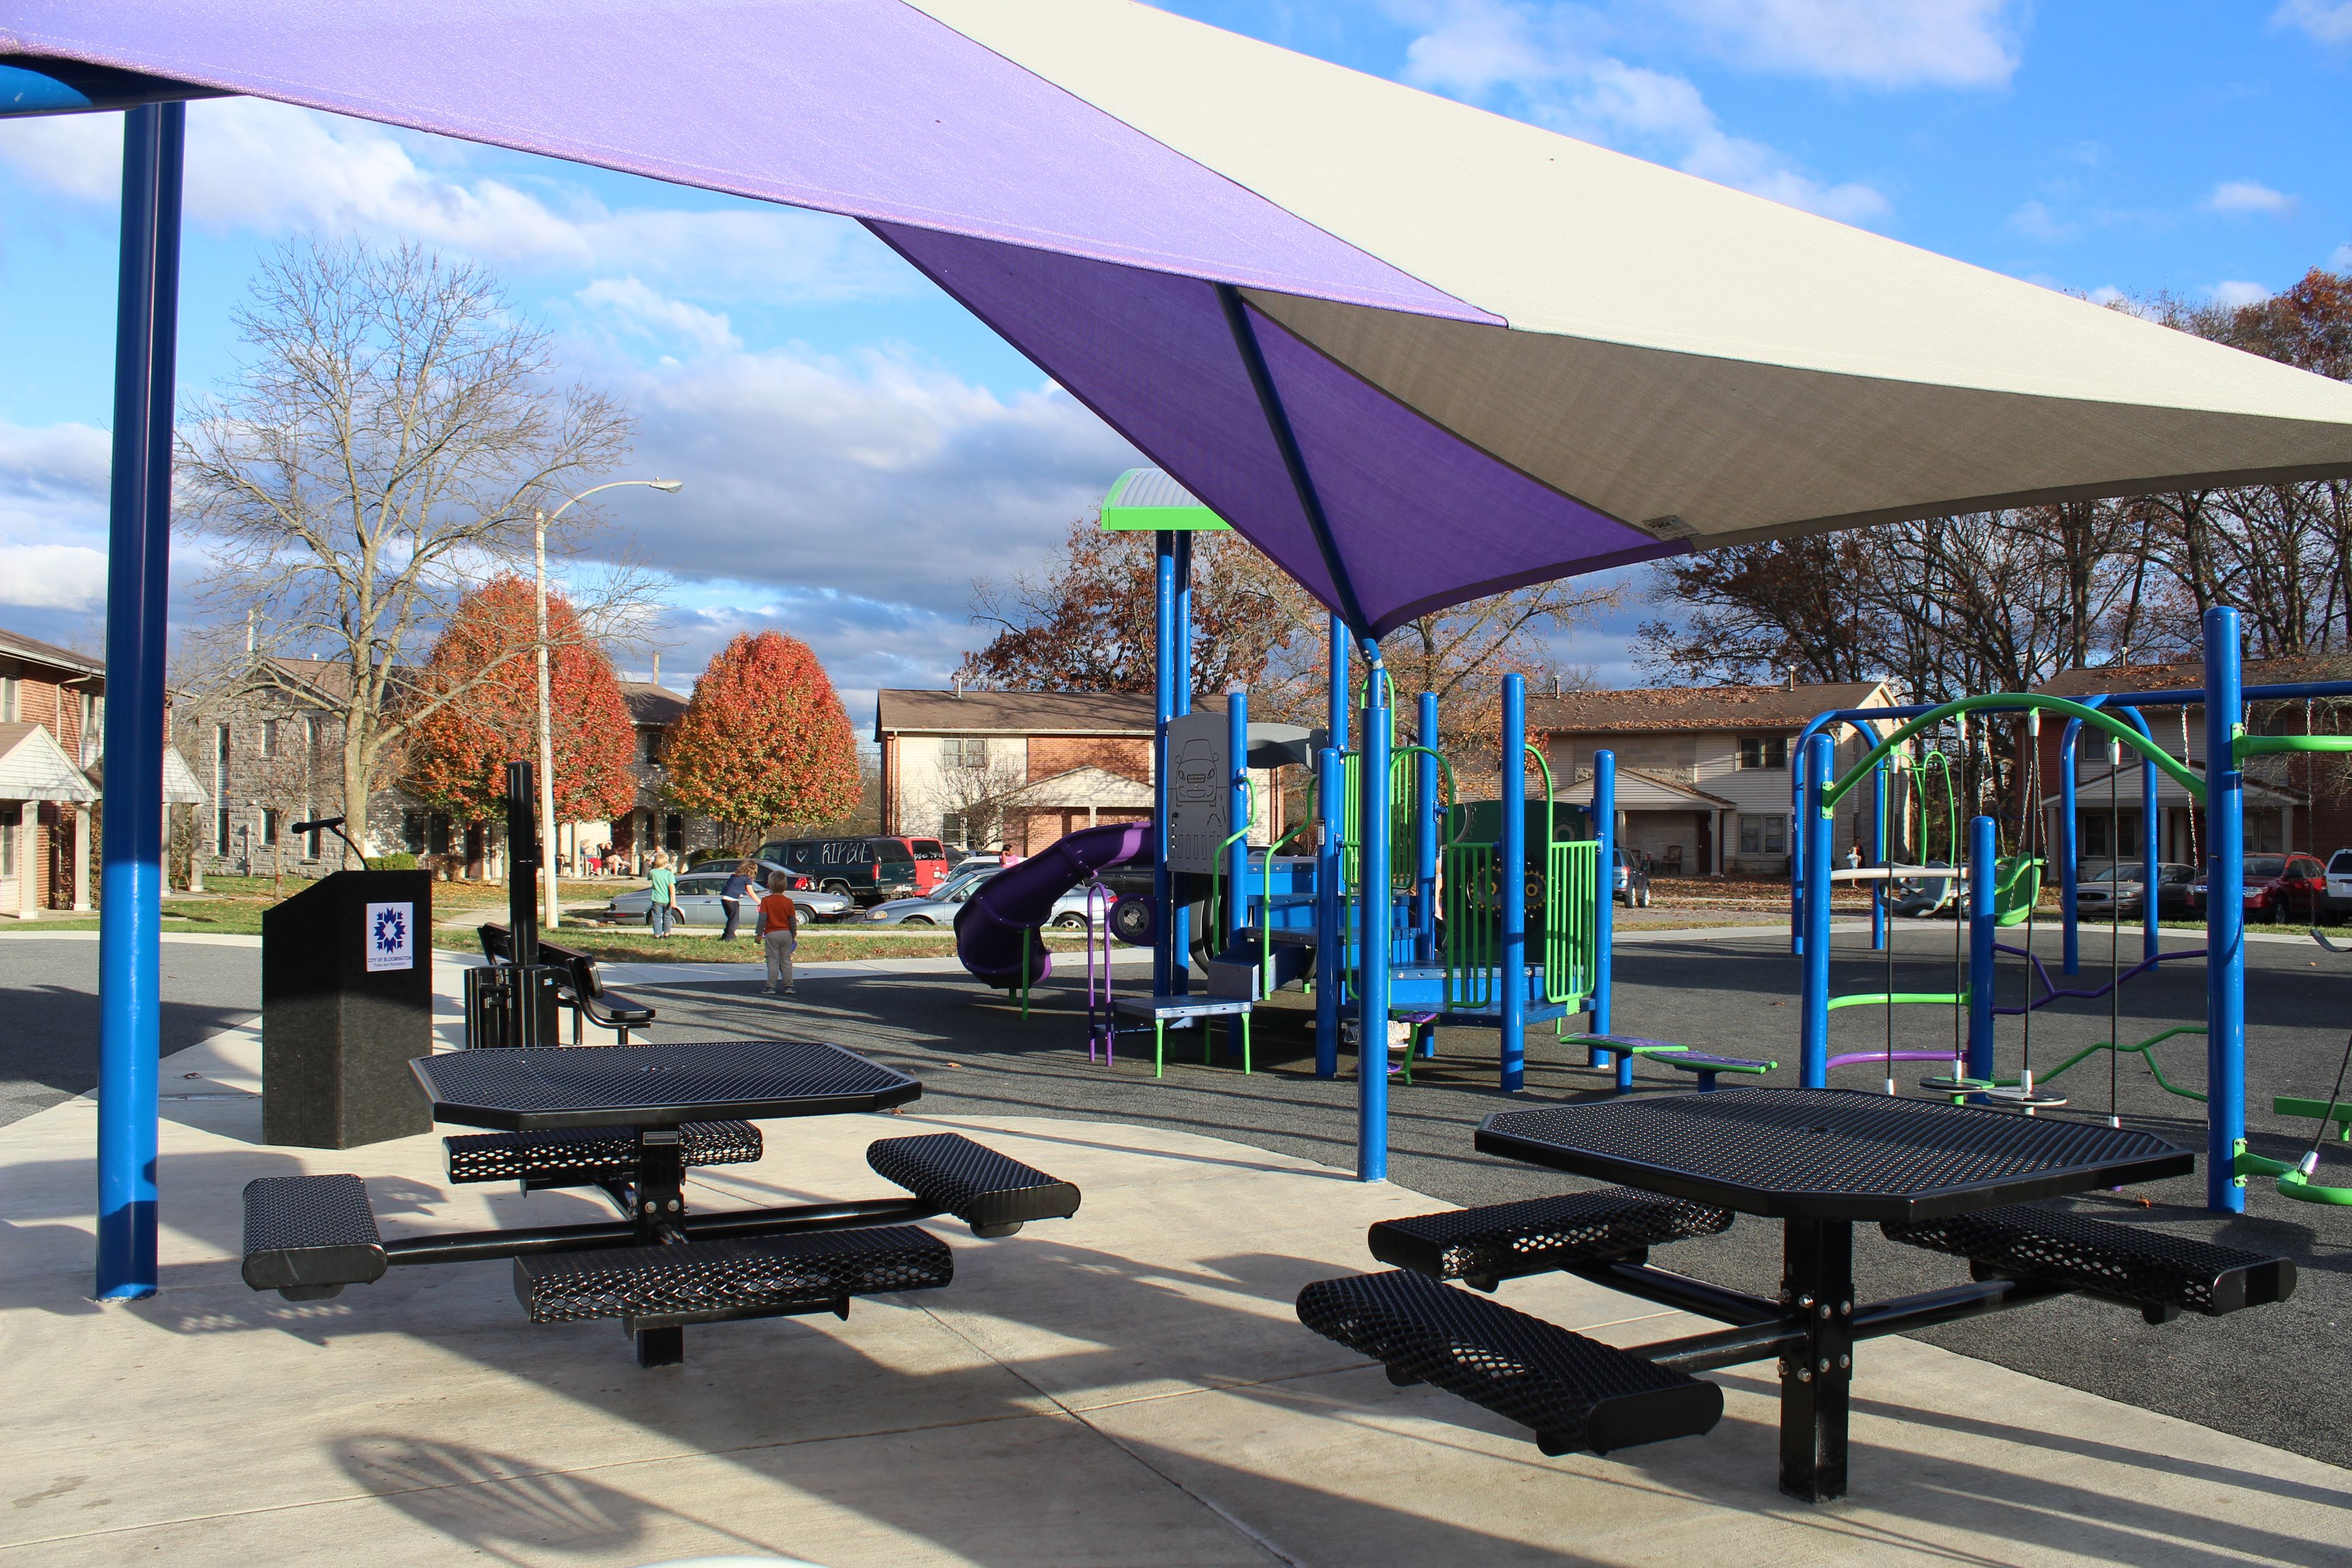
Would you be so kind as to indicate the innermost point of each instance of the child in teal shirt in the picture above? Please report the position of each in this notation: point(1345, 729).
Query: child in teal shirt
point(664, 881)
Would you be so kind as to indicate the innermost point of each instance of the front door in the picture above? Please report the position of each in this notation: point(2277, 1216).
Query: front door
point(1705, 844)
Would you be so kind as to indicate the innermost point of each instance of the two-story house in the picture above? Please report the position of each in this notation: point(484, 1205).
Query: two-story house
point(1703, 777)
point(52, 707)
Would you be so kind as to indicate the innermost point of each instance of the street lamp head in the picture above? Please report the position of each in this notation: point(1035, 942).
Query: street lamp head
point(672, 485)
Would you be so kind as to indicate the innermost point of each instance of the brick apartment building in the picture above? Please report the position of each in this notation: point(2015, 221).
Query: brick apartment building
point(52, 713)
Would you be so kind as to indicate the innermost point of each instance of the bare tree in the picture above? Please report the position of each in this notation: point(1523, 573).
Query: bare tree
point(384, 447)
point(978, 795)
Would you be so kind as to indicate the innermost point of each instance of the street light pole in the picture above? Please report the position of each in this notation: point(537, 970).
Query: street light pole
point(550, 858)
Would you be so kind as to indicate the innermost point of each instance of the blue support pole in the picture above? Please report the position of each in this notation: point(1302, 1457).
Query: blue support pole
point(1878, 847)
point(1330, 785)
point(1424, 836)
point(1180, 921)
point(2069, 851)
point(1163, 700)
point(1983, 851)
point(2150, 847)
point(137, 580)
point(1800, 841)
point(2225, 916)
point(1511, 983)
point(1813, 999)
point(1237, 813)
point(1604, 912)
point(1372, 908)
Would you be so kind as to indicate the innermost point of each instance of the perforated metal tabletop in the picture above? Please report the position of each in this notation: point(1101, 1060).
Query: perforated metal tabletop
point(656, 1086)
point(1830, 1154)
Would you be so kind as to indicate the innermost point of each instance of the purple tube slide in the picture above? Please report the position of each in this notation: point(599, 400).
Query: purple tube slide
point(1019, 899)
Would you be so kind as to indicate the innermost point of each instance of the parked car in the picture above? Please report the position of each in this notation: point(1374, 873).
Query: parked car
point(868, 869)
point(2339, 901)
point(1631, 883)
point(695, 898)
point(2275, 888)
point(1070, 909)
point(2121, 884)
point(2173, 880)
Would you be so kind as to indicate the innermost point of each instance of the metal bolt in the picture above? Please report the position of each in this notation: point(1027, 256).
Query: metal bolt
point(1845, 1361)
point(1806, 1302)
point(649, 1205)
point(673, 1205)
point(1825, 1363)
point(1845, 1308)
point(1825, 1309)
point(1804, 1374)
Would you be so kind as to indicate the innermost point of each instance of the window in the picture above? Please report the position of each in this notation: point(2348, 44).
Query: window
point(220, 831)
point(269, 743)
point(310, 840)
point(929, 849)
point(1763, 836)
point(674, 833)
point(1763, 751)
point(12, 813)
point(310, 733)
point(961, 753)
point(220, 747)
point(10, 686)
point(268, 830)
point(649, 744)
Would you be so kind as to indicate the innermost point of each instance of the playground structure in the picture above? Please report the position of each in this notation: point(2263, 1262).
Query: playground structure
point(2221, 794)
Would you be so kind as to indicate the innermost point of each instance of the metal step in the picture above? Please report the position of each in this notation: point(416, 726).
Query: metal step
point(1575, 1392)
point(992, 1193)
point(306, 1237)
point(719, 1281)
point(1506, 1241)
point(581, 1156)
point(2162, 1275)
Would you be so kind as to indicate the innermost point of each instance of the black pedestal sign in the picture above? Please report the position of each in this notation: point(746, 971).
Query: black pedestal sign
point(346, 1002)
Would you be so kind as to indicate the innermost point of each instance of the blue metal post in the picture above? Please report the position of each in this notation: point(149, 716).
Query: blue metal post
point(137, 587)
point(1164, 699)
point(1330, 790)
point(1237, 814)
point(1800, 841)
point(1814, 1000)
point(1372, 908)
point(1511, 871)
point(1983, 854)
point(1878, 833)
point(1604, 912)
point(2069, 851)
point(2150, 847)
point(1424, 835)
point(2225, 916)
point(1180, 920)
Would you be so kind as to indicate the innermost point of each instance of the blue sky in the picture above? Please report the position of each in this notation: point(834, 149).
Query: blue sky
point(856, 449)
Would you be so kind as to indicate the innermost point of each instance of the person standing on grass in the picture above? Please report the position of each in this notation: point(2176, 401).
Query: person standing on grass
point(740, 885)
point(780, 922)
point(664, 884)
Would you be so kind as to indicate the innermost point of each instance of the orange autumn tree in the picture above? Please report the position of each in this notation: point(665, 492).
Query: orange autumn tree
point(456, 755)
point(763, 740)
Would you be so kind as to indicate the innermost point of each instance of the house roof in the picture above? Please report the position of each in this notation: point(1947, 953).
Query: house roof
point(653, 705)
point(180, 785)
point(34, 650)
point(33, 766)
point(2091, 790)
point(898, 710)
point(1638, 789)
point(1699, 707)
point(329, 678)
point(2174, 674)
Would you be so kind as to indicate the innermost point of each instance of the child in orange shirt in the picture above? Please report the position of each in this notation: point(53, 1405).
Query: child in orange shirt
point(780, 922)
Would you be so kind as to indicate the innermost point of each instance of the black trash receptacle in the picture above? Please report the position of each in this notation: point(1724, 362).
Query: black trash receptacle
point(346, 1003)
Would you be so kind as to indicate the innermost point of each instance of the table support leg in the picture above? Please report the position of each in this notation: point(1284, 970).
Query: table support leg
point(1818, 1278)
point(658, 1211)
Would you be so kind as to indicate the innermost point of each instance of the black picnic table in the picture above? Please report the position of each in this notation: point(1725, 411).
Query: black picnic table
point(1820, 1160)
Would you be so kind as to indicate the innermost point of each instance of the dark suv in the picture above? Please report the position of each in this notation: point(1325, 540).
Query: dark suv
point(869, 870)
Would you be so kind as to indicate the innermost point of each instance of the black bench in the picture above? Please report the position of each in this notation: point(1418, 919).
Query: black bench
point(585, 995)
point(721, 1282)
point(306, 1237)
point(2161, 1274)
point(1708, 1066)
point(1481, 1246)
point(585, 1156)
point(992, 1193)
point(1575, 1392)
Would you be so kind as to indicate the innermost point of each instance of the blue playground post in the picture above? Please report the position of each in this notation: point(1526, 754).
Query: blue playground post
point(1878, 906)
point(2148, 843)
point(1180, 920)
point(1982, 856)
point(1373, 898)
point(2225, 916)
point(1237, 815)
point(1424, 835)
point(1813, 1002)
point(1511, 983)
point(2069, 851)
point(1163, 699)
point(1799, 854)
point(1604, 912)
point(1331, 784)
point(2069, 913)
point(137, 587)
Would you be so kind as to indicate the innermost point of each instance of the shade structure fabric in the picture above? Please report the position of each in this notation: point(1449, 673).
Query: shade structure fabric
point(1414, 351)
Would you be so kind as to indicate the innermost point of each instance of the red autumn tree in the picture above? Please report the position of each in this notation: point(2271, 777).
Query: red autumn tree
point(763, 740)
point(456, 755)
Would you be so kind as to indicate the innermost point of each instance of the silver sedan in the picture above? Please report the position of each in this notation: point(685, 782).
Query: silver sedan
point(940, 906)
point(696, 900)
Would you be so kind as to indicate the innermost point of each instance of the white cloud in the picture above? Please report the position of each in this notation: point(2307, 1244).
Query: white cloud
point(2342, 261)
point(650, 313)
point(2237, 197)
point(274, 169)
point(1545, 62)
point(2036, 221)
point(2108, 294)
point(52, 576)
point(2235, 292)
point(2329, 21)
point(53, 486)
point(1876, 43)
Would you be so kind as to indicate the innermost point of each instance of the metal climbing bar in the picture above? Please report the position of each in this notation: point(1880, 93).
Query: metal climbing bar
point(2016, 701)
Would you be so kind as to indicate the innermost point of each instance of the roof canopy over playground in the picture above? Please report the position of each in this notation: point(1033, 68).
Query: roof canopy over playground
point(1415, 351)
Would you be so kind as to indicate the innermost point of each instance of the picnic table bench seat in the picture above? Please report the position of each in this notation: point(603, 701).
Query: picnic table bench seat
point(1484, 1246)
point(1707, 1066)
point(2160, 1274)
point(589, 1001)
point(721, 1282)
point(994, 1193)
point(1575, 1392)
point(306, 1237)
point(584, 1156)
